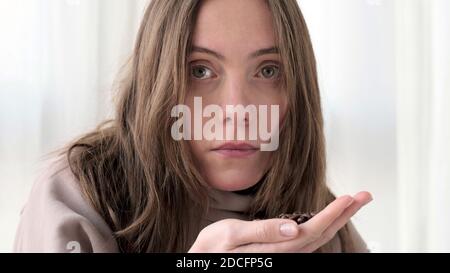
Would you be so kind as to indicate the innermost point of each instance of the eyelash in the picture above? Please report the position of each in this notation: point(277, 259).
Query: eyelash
point(271, 65)
point(203, 67)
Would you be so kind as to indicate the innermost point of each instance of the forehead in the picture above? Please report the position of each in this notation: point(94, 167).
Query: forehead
point(234, 26)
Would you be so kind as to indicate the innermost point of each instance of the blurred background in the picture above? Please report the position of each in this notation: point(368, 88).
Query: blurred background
point(384, 71)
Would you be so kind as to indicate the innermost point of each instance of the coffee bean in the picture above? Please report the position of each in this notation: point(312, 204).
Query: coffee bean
point(298, 217)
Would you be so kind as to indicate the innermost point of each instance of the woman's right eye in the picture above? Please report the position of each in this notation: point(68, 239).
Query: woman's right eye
point(201, 72)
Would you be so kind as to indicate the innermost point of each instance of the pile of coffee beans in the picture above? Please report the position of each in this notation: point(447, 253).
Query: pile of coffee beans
point(298, 217)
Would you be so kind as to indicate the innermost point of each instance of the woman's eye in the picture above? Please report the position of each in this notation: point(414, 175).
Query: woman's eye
point(201, 72)
point(269, 72)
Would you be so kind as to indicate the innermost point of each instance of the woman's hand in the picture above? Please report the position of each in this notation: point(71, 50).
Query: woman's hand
point(280, 235)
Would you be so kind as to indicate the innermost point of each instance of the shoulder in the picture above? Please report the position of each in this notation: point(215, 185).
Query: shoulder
point(57, 218)
point(358, 243)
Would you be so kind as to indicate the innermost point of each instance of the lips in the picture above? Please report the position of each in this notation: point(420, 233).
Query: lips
point(236, 149)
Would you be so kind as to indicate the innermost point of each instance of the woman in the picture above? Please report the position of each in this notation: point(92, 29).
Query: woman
point(131, 186)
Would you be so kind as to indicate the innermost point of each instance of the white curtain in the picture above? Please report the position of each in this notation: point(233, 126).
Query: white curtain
point(423, 124)
point(58, 61)
point(354, 42)
point(384, 69)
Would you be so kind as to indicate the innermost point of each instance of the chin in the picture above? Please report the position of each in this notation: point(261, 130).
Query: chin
point(233, 182)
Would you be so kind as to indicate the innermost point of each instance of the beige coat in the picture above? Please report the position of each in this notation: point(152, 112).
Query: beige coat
point(57, 218)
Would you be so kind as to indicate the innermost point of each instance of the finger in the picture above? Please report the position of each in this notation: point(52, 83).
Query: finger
point(311, 232)
point(265, 231)
point(361, 199)
point(314, 228)
point(261, 248)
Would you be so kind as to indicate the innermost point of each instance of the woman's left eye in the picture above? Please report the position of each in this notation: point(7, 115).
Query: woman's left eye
point(269, 72)
point(201, 72)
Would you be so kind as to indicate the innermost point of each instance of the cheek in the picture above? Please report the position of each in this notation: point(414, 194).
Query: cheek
point(281, 100)
point(195, 148)
point(283, 108)
point(272, 95)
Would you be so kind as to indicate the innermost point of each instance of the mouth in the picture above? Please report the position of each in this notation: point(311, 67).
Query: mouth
point(236, 149)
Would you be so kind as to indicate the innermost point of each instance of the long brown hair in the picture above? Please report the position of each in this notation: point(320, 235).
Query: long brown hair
point(143, 183)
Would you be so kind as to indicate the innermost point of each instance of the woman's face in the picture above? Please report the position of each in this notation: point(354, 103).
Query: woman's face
point(234, 61)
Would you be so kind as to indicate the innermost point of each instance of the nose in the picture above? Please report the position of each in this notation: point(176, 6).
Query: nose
point(234, 90)
point(234, 93)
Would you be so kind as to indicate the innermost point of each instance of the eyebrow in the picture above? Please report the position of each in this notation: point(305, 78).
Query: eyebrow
point(260, 52)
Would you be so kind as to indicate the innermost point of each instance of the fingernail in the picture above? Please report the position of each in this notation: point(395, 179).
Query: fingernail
point(368, 201)
point(288, 229)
